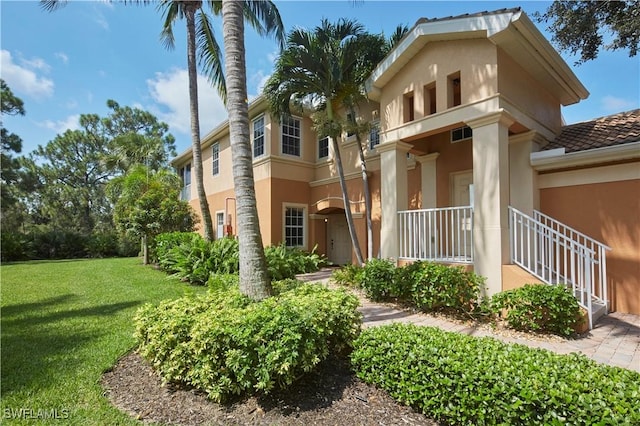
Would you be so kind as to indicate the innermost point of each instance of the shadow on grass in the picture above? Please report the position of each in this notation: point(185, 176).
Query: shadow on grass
point(38, 347)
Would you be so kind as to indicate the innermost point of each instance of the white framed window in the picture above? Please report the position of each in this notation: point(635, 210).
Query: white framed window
point(291, 135)
point(295, 225)
point(461, 134)
point(374, 134)
point(258, 137)
point(323, 148)
point(215, 158)
point(220, 224)
point(185, 176)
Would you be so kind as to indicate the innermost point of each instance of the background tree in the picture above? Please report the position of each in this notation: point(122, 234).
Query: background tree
point(254, 277)
point(11, 144)
point(73, 169)
point(325, 70)
point(584, 27)
point(147, 203)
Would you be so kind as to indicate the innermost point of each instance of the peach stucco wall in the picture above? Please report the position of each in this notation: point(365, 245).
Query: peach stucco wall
point(520, 88)
point(610, 213)
point(476, 60)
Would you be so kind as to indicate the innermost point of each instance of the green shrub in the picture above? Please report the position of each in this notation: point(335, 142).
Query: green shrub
point(15, 246)
point(285, 262)
point(378, 278)
point(195, 259)
point(59, 244)
point(349, 275)
point(539, 307)
point(223, 282)
point(463, 380)
point(161, 244)
point(225, 345)
point(287, 284)
point(435, 286)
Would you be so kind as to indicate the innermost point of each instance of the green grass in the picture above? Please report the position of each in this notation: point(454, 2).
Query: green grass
point(63, 324)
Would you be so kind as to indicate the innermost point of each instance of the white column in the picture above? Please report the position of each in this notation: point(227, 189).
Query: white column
point(393, 193)
point(428, 174)
point(491, 196)
point(524, 194)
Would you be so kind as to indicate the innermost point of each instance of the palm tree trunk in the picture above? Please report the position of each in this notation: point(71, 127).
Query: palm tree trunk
point(207, 222)
point(345, 194)
point(254, 278)
point(365, 184)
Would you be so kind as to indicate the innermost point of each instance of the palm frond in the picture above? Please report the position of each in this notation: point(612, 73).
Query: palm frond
point(264, 17)
point(52, 5)
point(210, 55)
point(172, 11)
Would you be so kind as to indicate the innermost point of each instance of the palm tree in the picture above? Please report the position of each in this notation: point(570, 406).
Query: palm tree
point(325, 69)
point(263, 16)
point(254, 279)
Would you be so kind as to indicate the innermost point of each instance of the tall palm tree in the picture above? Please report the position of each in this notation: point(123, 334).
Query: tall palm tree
point(254, 279)
point(324, 69)
point(203, 48)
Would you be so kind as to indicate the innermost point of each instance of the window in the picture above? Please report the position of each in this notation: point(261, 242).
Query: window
point(349, 124)
point(215, 158)
point(461, 133)
point(409, 111)
point(185, 176)
point(430, 99)
point(294, 226)
point(258, 137)
point(291, 136)
point(374, 134)
point(219, 224)
point(323, 147)
point(454, 95)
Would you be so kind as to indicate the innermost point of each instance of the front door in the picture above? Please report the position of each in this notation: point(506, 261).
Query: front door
point(462, 196)
point(339, 240)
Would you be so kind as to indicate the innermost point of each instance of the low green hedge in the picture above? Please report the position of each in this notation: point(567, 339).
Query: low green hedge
point(538, 307)
point(458, 379)
point(224, 344)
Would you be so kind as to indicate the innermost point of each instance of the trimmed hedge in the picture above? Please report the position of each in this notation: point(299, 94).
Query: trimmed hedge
point(459, 379)
point(224, 344)
point(539, 307)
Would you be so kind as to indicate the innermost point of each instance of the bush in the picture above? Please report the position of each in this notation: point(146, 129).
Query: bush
point(161, 244)
point(436, 287)
point(349, 275)
point(285, 262)
point(59, 244)
point(15, 246)
point(225, 345)
point(458, 379)
point(539, 307)
point(195, 259)
point(378, 278)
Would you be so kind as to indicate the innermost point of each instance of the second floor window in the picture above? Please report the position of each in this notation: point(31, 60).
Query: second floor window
point(185, 175)
point(323, 147)
point(374, 135)
point(258, 137)
point(215, 158)
point(461, 133)
point(291, 136)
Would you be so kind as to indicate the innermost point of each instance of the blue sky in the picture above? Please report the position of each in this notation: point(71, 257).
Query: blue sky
point(69, 62)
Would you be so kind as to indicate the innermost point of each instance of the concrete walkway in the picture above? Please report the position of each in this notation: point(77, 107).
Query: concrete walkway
point(615, 339)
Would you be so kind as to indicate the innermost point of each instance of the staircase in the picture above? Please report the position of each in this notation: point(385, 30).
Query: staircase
point(559, 255)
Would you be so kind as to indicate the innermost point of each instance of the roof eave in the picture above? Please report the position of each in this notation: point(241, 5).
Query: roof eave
point(558, 159)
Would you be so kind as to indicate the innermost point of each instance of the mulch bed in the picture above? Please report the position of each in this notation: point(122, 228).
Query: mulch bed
point(330, 395)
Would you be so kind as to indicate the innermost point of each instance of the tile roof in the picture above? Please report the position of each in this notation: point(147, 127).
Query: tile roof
point(469, 15)
point(617, 129)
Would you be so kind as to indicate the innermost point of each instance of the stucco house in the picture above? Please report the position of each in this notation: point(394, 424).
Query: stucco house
point(469, 163)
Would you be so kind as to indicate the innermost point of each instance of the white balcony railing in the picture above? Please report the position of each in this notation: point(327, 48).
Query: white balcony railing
point(560, 255)
point(442, 234)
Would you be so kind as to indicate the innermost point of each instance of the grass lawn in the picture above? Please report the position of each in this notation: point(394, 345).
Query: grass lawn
point(63, 324)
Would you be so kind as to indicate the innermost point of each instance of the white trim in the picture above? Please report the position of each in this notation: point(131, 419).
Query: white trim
point(328, 156)
point(556, 159)
point(305, 222)
point(591, 175)
point(216, 222)
point(215, 160)
point(335, 179)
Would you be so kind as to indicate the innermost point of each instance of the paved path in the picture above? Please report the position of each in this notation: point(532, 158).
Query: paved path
point(615, 339)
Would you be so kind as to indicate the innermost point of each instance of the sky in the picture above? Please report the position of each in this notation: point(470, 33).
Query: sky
point(71, 61)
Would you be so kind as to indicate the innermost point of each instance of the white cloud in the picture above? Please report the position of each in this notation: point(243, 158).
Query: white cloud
point(257, 80)
point(62, 56)
point(615, 104)
point(170, 92)
point(273, 56)
point(72, 122)
point(24, 78)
